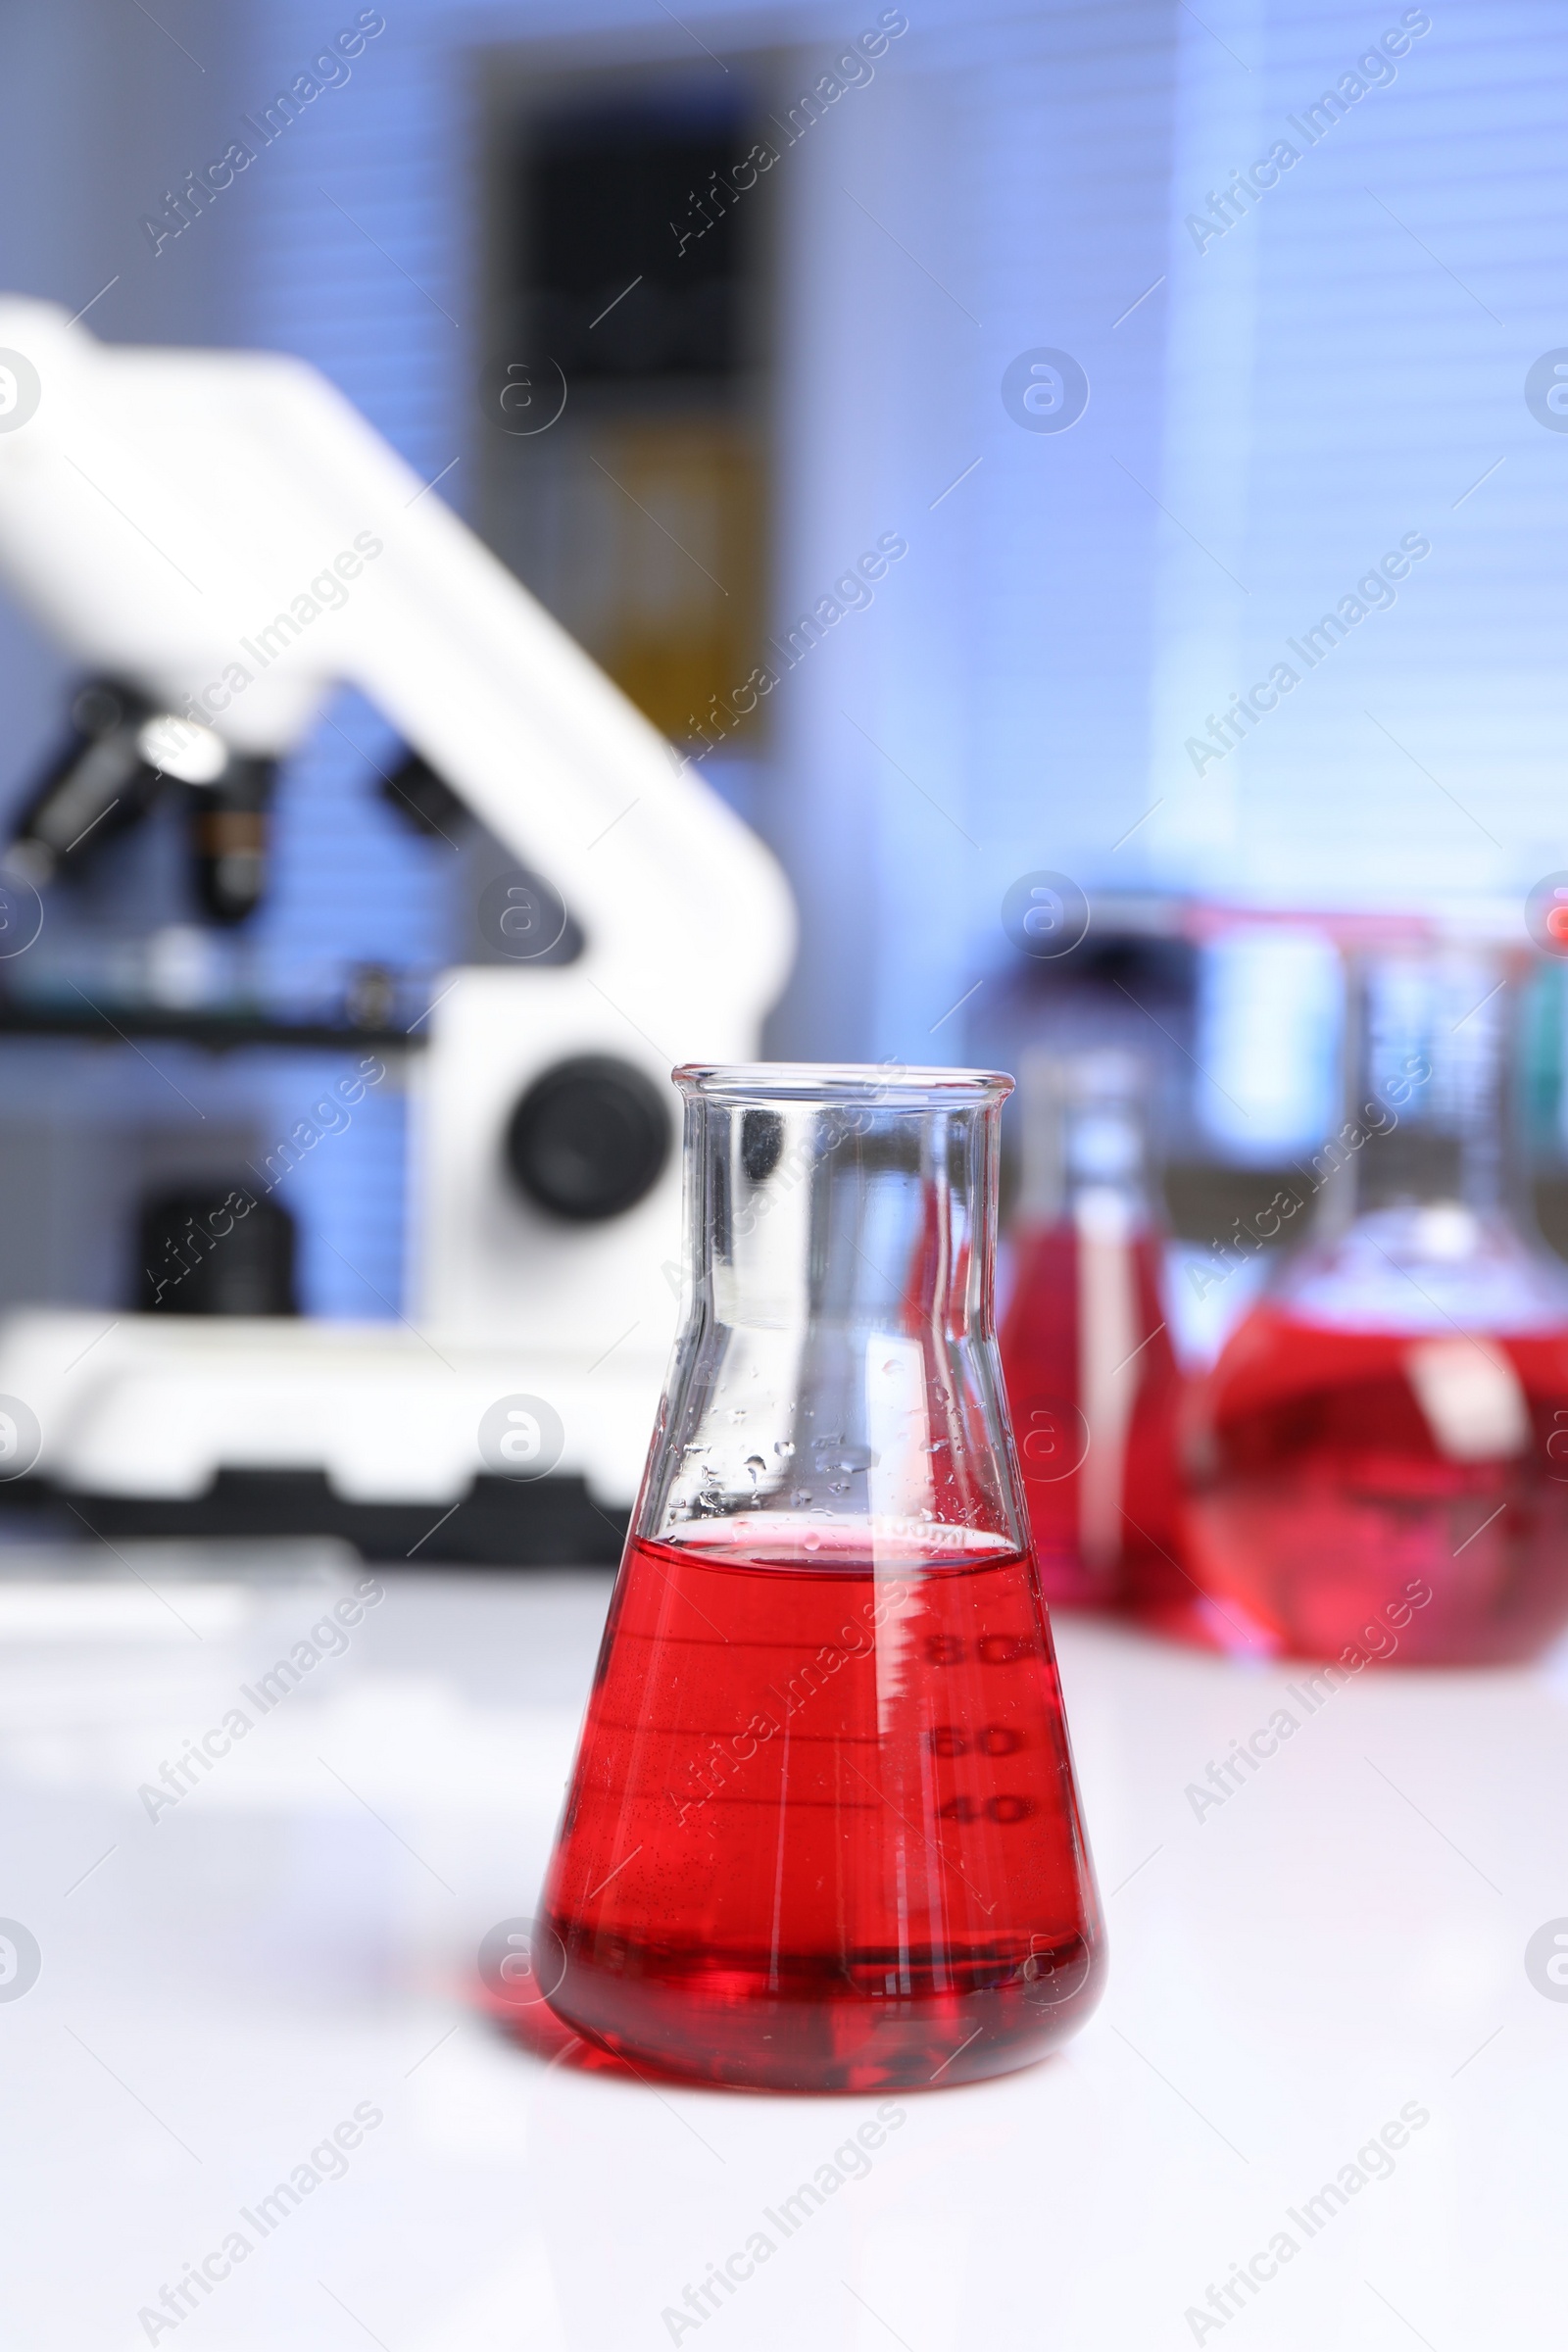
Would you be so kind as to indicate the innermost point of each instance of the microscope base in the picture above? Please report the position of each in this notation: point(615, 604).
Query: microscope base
point(383, 1435)
point(552, 1523)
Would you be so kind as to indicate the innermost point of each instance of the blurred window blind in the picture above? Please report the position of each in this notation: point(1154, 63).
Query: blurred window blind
point(366, 194)
point(1289, 383)
point(1360, 494)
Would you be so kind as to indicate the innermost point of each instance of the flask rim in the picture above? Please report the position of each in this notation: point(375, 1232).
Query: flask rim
point(875, 1085)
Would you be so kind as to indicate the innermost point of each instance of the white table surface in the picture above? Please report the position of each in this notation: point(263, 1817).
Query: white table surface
point(1342, 1938)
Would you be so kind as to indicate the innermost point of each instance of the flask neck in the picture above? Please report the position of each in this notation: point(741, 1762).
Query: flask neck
point(835, 1381)
point(1085, 1144)
point(1428, 1121)
point(862, 1216)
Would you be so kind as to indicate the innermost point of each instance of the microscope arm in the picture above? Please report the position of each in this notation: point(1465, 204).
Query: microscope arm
point(228, 533)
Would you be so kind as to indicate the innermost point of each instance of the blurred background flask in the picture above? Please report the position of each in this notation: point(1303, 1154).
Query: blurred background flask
point(1380, 1457)
point(1092, 1379)
point(823, 1832)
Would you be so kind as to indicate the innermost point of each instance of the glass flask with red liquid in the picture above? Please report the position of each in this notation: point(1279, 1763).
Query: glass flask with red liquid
point(823, 1833)
point(1379, 1460)
point(1091, 1378)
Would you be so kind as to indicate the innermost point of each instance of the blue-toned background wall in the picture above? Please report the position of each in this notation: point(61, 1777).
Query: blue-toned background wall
point(1292, 374)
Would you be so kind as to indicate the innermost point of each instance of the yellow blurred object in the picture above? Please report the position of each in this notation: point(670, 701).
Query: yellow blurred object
point(681, 620)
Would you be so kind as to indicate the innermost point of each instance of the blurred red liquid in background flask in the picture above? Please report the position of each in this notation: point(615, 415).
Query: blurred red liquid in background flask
point(1380, 1457)
point(1092, 1379)
point(822, 1831)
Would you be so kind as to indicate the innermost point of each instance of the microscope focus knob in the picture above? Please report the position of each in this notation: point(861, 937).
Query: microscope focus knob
point(589, 1139)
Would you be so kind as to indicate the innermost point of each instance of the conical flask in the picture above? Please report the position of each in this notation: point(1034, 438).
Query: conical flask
point(1379, 1460)
point(1092, 1377)
point(823, 1832)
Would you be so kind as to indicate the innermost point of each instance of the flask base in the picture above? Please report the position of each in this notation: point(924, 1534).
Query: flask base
point(1473, 1572)
point(1386, 1493)
point(803, 2024)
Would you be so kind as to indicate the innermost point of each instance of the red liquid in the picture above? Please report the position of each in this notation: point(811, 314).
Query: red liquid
point(823, 1833)
point(1325, 1504)
point(1104, 1522)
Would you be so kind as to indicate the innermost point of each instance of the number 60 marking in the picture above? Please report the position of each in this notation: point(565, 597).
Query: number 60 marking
point(992, 1739)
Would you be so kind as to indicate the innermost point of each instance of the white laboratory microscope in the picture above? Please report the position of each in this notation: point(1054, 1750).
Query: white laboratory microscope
point(163, 514)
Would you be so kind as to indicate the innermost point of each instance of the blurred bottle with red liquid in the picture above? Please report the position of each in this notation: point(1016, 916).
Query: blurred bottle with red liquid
point(1090, 1372)
point(1378, 1463)
point(823, 1832)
